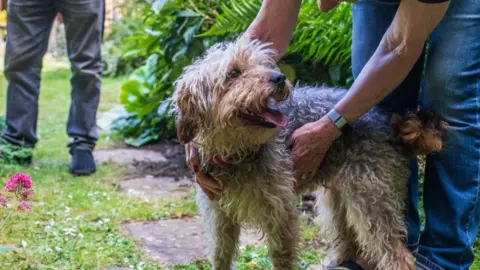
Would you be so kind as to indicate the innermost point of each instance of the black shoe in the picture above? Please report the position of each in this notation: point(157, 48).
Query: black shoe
point(83, 162)
point(12, 153)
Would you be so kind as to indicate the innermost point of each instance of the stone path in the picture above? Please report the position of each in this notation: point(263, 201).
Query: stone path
point(127, 156)
point(162, 188)
point(171, 242)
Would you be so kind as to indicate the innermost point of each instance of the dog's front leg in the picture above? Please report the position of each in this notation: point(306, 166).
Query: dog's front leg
point(221, 233)
point(281, 230)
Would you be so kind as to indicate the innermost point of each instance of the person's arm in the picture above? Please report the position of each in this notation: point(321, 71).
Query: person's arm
point(396, 55)
point(275, 23)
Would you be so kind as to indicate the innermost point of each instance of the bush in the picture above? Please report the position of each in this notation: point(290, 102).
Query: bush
point(114, 46)
point(169, 42)
point(175, 32)
point(320, 48)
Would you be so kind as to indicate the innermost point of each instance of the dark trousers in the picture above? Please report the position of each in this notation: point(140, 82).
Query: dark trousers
point(29, 23)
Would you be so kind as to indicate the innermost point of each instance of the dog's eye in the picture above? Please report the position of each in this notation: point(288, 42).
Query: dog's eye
point(234, 73)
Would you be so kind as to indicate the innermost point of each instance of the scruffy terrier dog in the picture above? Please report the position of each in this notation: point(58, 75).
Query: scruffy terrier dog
point(225, 104)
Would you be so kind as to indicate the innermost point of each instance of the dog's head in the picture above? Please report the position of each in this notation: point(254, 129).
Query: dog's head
point(226, 100)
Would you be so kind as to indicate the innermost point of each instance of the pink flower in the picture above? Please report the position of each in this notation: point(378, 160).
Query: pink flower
point(3, 200)
point(18, 180)
point(26, 194)
point(24, 206)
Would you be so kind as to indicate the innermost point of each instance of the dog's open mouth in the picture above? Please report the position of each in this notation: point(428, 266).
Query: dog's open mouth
point(268, 118)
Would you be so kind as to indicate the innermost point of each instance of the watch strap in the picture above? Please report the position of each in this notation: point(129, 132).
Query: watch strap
point(339, 121)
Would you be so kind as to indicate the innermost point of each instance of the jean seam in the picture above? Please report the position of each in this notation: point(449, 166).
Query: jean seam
point(475, 202)
point(427, 263)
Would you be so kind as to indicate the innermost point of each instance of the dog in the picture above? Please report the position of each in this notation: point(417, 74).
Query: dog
point(235, 105)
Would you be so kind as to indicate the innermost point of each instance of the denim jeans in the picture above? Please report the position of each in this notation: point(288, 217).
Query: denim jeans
point(450, 87)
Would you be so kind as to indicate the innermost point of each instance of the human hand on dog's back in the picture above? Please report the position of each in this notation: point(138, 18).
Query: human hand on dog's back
point(207, 183)
point(308, 145)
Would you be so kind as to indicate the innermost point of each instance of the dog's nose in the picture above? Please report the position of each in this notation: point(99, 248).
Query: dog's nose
point(278, 79)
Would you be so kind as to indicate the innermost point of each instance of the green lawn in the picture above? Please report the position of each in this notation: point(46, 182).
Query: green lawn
point(75, 221)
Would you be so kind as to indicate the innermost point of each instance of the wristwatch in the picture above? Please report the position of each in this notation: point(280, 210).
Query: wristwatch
point(339, 121)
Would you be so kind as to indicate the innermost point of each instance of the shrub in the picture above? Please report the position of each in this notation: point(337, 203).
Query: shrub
point(170, 43)
point(175, 32)
point(114, 46)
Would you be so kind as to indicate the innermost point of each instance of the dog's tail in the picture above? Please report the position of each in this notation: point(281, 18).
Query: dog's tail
point(421, 133)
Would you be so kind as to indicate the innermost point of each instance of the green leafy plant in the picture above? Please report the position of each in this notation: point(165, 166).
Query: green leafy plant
point(114, 46)
point(175, 32)
point(320, 47)
point(169, 42)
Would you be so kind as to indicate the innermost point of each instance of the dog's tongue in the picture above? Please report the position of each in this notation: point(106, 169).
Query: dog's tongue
point(275, 117)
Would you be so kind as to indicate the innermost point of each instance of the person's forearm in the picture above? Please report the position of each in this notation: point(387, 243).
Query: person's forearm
point(396, 55)
point(275, 23)
point(385, 70)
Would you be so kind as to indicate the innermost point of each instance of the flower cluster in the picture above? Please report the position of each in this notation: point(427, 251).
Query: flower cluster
point(21, 185)
point(3, 200)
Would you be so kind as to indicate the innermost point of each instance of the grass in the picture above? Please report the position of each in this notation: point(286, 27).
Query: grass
point(75, 222)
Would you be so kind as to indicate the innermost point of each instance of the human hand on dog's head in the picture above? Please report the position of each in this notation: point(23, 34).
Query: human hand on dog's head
point(206, 183)
point(327, 5)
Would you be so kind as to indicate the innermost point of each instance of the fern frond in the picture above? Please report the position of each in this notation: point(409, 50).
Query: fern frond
point(234, 17)
point(318, 37)
point(324, 37)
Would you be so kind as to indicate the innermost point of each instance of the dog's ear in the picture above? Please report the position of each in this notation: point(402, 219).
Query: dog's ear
point(187, 123)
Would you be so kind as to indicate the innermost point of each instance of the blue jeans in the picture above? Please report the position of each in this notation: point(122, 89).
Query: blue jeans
point(451, 88)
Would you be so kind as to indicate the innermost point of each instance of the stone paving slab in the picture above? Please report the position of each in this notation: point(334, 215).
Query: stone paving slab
point(177, 241)
point(127, 156)
point(160, 188)
point(105, 119)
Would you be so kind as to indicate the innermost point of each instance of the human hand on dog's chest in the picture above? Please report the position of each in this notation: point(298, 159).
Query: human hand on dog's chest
point(309, 144)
